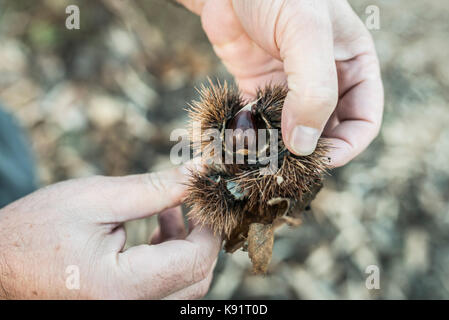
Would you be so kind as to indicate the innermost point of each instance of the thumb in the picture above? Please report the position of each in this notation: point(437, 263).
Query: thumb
point(306, 48)
point(138, 196)
point(299, 33)
point(119, 199)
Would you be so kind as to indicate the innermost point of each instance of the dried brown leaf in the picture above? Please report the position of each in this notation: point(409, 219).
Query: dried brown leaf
point(260, 246)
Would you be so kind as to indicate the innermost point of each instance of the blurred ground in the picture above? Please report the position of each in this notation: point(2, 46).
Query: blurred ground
point(103, 100)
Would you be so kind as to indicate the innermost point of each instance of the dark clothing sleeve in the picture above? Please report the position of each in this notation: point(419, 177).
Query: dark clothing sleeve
point(17, 172)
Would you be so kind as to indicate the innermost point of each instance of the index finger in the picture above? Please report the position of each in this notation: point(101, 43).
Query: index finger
point(120, 199)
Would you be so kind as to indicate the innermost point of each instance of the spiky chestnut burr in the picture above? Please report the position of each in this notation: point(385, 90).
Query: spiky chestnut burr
point(237, 200)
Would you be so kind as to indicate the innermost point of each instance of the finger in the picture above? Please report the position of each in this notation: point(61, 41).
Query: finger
point(155, 237)
point(357, 118)
point(306, 46)
point(191, 224)
point(119, 199)
point(195, 291)
point(160, 270)
point(360, 116)
point(171, 226)
point(138, 196)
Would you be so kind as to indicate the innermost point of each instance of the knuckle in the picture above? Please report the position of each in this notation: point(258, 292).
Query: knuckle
point(155, 182)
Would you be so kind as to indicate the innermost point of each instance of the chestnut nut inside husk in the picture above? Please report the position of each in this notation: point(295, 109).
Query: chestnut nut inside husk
point(238, 200)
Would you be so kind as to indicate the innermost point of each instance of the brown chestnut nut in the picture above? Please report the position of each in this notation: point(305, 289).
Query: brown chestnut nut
point(244, 131)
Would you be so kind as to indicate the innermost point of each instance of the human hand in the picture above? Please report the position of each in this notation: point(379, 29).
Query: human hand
point(321, 49)
point(79, 223)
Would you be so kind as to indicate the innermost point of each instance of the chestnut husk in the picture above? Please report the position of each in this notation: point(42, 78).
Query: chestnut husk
point(236, 200)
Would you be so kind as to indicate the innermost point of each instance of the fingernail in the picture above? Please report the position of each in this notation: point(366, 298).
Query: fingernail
point(303, 140)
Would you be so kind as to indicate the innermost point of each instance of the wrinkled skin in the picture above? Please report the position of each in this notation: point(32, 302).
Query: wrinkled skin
point(79, 223)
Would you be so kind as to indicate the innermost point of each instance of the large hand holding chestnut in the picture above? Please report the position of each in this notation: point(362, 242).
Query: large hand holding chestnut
point(74, 228)
point(320, 49)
